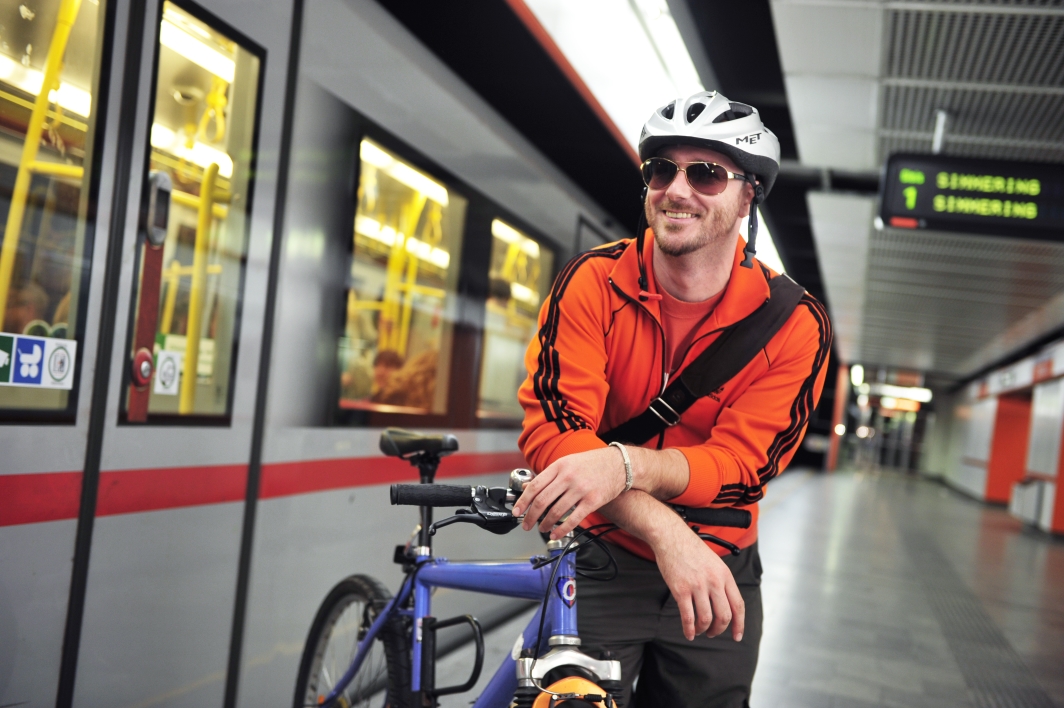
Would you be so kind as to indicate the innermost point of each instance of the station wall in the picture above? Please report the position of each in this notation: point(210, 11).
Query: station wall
point(1009, 425)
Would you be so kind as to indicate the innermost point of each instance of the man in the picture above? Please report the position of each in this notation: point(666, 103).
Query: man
point(621, 322)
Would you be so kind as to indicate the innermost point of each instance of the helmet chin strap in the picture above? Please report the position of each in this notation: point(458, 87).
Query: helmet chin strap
point(640, 239)
point(749, 251)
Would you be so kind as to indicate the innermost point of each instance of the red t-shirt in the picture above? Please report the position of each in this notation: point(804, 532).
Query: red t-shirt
point(681, 320)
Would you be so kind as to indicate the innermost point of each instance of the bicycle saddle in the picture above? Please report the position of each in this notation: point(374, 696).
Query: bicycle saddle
point(396, 442)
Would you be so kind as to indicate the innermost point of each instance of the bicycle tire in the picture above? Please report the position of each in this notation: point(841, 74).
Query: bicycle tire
point(334, 638)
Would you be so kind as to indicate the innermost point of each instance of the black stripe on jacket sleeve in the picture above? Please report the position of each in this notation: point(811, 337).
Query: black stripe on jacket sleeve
point(548, 370)
point(800, 411)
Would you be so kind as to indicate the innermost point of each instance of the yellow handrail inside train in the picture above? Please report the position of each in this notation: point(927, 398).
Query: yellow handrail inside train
point(68, 12)
point(219, 211)
point(199, 285)
point(57, 169)
point(57, 115)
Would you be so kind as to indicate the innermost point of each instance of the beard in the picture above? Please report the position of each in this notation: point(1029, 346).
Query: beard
point(716, 224)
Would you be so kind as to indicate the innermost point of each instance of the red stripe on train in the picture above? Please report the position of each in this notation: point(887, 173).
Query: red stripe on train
point(54, 496)
point(30, 498)
point(130, 491)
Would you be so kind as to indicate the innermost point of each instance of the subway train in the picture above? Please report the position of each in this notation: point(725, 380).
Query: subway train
point(177, 498)
point(241, 239)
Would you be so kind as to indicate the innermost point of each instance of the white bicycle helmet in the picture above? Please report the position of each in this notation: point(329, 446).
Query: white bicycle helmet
point(710, 120)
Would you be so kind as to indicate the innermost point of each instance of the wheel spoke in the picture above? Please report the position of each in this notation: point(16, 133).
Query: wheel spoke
point(334, 644)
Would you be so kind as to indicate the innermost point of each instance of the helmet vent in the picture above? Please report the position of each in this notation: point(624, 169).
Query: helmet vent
point(734, 112)
point(668, 110)
point(694, 111)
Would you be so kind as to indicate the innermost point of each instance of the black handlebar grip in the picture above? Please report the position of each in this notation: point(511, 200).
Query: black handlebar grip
point(736, 518)
point(431, 495)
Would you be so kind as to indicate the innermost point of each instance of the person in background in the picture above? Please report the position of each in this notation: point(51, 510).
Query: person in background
point(386, 363)
point(25, 305)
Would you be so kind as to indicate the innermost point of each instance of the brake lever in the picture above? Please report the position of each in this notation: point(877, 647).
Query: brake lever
point(488, 511)
point(726, 545)
point(466, 515)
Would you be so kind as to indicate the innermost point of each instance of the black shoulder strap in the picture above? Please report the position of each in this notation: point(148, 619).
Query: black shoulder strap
point(714, 367)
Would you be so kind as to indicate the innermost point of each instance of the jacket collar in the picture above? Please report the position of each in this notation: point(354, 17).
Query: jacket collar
point(747, 288)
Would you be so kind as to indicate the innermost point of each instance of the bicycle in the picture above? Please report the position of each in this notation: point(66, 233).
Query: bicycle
point(386, 645)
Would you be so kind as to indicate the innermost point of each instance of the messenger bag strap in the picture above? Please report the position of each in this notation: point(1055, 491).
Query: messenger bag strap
point(719, 363)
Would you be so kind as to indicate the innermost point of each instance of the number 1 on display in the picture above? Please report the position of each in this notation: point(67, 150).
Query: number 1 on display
point(910, 197)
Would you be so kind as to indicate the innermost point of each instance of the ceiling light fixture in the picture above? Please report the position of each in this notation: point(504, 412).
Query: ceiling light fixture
point(68, 97)
point(382, 160)
point(373, 229)
point(628, 52)
point(856, 375)
point(508, 234)
point(912, 393)
point(165, 139)
point(194, 49)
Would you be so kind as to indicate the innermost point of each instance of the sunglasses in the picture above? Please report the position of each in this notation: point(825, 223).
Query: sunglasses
point(706, 178)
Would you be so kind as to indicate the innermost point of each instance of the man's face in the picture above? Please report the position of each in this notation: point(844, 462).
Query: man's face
point(685, 221)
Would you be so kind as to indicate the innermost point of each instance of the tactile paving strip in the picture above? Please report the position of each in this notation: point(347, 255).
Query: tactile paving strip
point(996, 675)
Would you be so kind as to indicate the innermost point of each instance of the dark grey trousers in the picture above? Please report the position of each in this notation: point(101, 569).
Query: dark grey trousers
point(635, 618)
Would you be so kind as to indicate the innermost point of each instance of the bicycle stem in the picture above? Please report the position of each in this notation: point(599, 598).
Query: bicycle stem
point(426, 465)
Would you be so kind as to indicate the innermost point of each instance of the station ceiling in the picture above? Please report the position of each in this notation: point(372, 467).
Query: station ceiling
point(843, 83)
point(864, 80)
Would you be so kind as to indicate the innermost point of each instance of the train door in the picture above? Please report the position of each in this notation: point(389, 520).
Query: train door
point(56, 179)
point(177, 431)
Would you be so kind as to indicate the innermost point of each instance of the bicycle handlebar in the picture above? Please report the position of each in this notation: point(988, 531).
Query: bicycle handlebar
point(452, 495)
point(432, 495)
point(735, 518)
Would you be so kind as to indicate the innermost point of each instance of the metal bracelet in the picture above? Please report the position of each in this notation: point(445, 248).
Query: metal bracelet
point(627, 465)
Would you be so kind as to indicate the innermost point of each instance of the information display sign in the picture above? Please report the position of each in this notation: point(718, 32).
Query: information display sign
point(1020, 199)
point(40, 362)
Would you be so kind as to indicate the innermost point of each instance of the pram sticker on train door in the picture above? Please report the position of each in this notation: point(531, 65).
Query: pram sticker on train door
point(28, 365)
point(7, 347)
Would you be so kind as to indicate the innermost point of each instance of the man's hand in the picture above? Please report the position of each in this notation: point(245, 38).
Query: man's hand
point(585, 481)
point(582, 482)
point(701, 584)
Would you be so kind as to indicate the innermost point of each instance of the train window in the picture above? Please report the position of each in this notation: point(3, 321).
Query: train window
point(394, 353)
point(519, 278)
point(193, 230)
point(50, 53)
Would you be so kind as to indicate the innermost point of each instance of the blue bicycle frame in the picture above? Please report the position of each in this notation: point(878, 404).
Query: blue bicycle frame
point(508, 579)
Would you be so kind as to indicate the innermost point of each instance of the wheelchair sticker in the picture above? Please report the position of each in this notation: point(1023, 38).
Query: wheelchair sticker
point(567, 590)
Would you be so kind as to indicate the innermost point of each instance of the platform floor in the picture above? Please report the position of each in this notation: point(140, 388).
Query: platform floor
point(888, 590)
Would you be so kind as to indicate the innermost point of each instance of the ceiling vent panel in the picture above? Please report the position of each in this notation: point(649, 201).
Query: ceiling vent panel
point(1006, 47)
point(934, 300)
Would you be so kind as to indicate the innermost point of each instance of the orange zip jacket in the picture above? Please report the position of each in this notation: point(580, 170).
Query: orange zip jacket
point(599, 360)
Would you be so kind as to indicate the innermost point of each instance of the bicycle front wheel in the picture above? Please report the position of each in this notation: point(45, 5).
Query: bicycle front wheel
point(338, 631)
